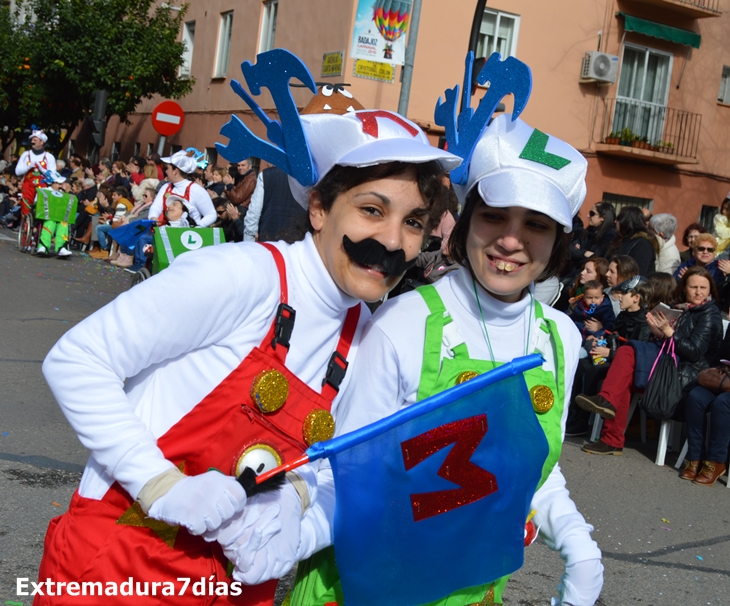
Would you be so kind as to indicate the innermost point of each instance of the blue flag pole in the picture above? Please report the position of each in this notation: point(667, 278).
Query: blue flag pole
point(329, 448)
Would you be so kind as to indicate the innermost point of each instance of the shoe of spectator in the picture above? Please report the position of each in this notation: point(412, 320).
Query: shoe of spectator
point(64, 252)
point(690, 470)
point(597, 404)
point(711, 470)
point(601, 448)
point(123, 261)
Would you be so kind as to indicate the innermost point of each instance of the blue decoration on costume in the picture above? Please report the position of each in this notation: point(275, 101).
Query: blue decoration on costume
point(290, 151)
point(198, 156)
point(510, 76)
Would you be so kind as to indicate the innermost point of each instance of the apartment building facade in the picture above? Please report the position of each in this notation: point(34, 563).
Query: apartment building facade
point(640, 87)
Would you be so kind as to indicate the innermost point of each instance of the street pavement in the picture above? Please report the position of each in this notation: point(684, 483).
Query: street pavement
point(664, 541)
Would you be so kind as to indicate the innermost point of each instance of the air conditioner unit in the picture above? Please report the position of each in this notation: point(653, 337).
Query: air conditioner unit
point(599, 67)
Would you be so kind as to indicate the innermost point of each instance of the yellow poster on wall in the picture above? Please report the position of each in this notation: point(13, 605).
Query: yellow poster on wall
point(373, 70)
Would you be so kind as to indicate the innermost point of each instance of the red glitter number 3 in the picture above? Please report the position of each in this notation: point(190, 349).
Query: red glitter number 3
point(475, 483)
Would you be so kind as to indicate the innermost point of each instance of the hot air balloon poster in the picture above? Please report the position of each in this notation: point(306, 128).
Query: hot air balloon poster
point(380, 28)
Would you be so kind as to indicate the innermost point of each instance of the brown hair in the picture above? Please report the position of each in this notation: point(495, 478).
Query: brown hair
point(692, 227)
point(626, 267)
point(592, 285)
point(663, 287)
point(427, 176)
point(460, 233)
point(680, 296)
point(601, 266)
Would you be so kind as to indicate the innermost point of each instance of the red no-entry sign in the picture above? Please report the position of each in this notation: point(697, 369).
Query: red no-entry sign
point(168, 118)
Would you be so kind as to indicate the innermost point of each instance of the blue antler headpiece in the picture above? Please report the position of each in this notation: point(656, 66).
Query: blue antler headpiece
point(288, 148)
point(463, 132)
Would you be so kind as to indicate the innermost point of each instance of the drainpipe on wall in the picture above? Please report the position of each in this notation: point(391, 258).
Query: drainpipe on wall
point(476, 25)
point(405, 87)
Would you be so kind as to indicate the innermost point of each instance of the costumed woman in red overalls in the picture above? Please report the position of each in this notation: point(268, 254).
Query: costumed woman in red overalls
point(32, 164)
point(232, 358)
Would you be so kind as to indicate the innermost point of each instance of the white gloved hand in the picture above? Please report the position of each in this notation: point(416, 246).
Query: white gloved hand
point(200, 503)
point(581, 584)
point(270, 548)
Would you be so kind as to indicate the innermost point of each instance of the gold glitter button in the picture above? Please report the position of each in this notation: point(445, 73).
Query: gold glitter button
point(259, 457)
point(542, 398)
point(269, 390)
point(465, 376)
point(318, 426)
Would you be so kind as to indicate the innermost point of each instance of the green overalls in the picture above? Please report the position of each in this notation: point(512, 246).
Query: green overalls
point(317, 581)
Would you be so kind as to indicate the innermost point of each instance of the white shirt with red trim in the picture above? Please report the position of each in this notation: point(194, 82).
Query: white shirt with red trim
point(201, 207)
point(30, 160)
point(123, 377)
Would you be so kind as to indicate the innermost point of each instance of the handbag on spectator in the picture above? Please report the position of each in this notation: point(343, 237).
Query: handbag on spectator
point(716, 379)
point(664, 389)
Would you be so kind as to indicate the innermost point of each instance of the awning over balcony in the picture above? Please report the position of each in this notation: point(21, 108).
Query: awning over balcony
point(661, 31)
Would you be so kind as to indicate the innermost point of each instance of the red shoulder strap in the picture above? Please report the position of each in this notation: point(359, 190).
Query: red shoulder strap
point(338, 364)
point(277, 339)
point(281, 266)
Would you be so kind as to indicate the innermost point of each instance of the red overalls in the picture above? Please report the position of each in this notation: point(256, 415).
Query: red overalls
point(112, 540)
point(162, 219)
point(31, 181)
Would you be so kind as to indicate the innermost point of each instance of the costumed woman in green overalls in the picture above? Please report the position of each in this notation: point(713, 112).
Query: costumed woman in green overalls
point(520, 192)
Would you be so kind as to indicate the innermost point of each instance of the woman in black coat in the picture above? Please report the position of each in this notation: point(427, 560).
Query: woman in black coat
point(635, 239)
point(697, 404)
point(696, 334)
point(599, 235)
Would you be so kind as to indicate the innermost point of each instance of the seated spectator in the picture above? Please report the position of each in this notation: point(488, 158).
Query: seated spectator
point(705, 246)
point(598, 236)
point(230, 219)
point(688, 239)
point(635, 240)
point(63, 170)
point(155, 161)
point(664, 225)
point(141, 209)
point(134, 169)
point(77, 167)
point(696, 333)
point(707, 463)
point(593, 313)
point(594, 268)
point(216, 187)
point(150, 181)
point(620, 269)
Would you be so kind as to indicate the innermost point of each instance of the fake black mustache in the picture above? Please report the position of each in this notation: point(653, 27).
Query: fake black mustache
point(371, 252)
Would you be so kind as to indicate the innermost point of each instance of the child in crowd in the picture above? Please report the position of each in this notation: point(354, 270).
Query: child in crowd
point(594, 306)
point(594, 268)
point(633, 295)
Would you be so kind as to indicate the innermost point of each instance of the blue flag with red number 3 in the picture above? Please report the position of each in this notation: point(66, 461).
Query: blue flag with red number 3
point(435, 497)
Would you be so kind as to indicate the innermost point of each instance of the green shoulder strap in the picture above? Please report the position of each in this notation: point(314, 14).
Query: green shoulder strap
point(435, 322)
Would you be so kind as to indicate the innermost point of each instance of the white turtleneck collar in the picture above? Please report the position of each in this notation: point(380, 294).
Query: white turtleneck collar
point(496, 312)
point(317, 283)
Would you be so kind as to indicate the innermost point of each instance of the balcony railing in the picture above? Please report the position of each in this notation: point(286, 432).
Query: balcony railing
point(651, 127)
point(694, 9)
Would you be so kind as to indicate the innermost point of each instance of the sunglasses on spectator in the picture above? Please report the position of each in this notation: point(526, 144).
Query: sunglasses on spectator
point(704, 249)
point(221, 211)
point(592, 213)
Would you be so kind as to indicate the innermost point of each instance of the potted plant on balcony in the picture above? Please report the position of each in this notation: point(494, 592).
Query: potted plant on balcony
point(665, 147)
point(627, 136)
point(613, 139)
point(636, 142)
